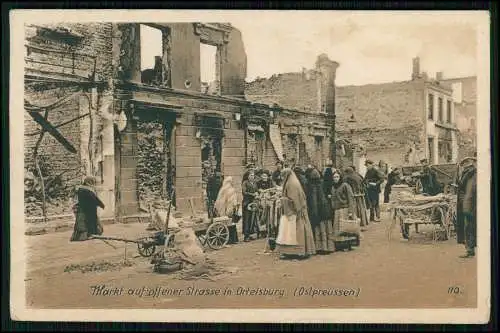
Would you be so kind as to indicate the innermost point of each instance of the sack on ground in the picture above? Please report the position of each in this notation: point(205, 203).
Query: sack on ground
point(287, 233)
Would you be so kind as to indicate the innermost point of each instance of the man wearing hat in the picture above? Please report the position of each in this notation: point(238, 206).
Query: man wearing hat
point(373, 179)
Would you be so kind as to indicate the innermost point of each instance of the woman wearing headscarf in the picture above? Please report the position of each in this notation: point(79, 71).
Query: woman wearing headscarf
point(250, 191)
point(227, 205)
point(357, 185)
point(343, 202)
point(87, 221)
point(320, 214)
point(294, 204)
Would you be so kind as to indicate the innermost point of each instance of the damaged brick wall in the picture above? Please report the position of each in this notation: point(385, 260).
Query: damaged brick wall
point(65, 51)
point(466, 116)
point(388, 117)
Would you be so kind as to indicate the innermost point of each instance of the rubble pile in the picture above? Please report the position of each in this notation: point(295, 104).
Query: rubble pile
point(102, 266)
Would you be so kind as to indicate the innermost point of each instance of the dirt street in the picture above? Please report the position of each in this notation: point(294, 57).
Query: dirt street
point(380, 273)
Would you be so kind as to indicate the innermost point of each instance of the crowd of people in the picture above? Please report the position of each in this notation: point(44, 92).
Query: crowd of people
point(312, 204)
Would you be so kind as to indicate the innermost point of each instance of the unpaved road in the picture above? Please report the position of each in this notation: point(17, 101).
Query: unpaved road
point(380, 273)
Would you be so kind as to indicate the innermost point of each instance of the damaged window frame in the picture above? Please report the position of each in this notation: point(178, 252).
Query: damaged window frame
point(161, 76)
point(217, 79)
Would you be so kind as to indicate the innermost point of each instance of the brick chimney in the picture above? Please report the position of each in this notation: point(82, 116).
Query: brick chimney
point(326, 71)
point(439, 76)
point(415, 74)
point(326, 95)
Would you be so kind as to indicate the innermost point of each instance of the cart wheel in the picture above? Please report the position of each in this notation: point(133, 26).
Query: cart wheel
point(217, 235)
point(146, 249)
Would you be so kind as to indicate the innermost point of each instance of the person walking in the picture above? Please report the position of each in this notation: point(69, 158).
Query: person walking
point(373, 180)
point(87, 222)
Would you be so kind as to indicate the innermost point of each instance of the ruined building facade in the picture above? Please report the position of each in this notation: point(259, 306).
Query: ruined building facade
point(464, 100)
point(143, 132)
point(398, 122)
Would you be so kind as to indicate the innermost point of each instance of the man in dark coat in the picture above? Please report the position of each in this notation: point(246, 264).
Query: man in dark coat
point(393, 178)
point(373, 180)
point(430, 184)
point(328, 178)
point(214, 183)
point(466, 210)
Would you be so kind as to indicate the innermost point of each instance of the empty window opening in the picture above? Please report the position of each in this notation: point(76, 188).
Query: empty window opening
point(440, 109)
point(209, 69)
point(448, 112)
point(151, 55)
point(431, 107)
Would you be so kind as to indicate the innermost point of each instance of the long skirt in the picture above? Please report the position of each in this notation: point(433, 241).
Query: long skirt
point(324, 236)
point(305, 239)
point(80, 232)
point(361, 209)
point(340, 214)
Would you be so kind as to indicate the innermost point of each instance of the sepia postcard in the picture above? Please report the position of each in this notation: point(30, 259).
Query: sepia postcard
point(250, 166)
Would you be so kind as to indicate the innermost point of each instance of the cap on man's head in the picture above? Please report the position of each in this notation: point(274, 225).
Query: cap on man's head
point(369, 162)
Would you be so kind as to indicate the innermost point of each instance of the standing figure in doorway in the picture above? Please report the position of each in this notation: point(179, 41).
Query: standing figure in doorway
point(373, 179)
point(87, 222)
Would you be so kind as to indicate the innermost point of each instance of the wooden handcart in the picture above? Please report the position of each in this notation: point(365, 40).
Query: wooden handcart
point(439, 211)
point(213, 232)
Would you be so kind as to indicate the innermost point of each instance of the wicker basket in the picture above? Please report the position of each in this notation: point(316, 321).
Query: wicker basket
point(349, 226)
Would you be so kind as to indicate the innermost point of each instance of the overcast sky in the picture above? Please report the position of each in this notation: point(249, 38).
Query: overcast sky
point(370, 47)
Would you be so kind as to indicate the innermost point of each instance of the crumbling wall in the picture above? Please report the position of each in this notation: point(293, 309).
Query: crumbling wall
point(151, 166)
point(234, 67)
point(289, 90)
point(65, 59)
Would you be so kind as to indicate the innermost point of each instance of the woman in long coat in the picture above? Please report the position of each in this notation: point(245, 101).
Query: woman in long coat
point(356, 182)
point(343, 202)
point(320, 213)
point(87, 222)
point(294, 203)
